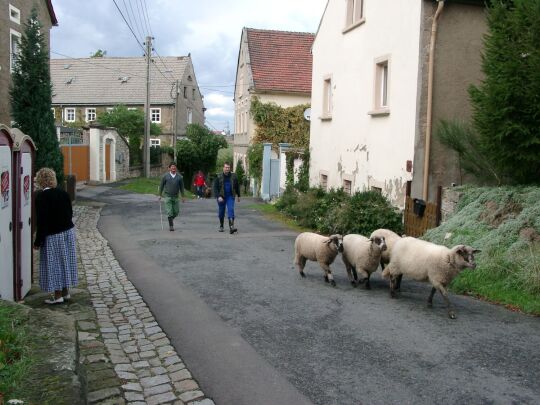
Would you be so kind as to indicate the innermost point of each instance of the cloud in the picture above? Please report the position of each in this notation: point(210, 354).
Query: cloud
point(208, 29)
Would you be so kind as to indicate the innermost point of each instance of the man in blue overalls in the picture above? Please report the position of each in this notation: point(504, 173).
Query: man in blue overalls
point(225, 189)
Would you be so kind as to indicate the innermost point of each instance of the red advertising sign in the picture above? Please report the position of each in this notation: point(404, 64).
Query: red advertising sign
point(4, 189)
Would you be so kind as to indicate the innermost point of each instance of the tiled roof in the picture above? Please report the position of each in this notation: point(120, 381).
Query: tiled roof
point(111, 81)
point(280, 60)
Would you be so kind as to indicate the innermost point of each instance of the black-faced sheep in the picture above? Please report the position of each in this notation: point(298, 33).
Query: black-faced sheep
point(426, 261)
point(362, 255)
point(317, 248)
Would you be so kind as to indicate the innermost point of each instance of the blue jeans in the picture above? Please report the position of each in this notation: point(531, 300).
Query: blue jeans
point(229, 203)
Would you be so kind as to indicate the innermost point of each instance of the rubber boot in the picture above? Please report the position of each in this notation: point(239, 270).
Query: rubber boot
point(232, 229)
point(171, 224)
point(221, 220)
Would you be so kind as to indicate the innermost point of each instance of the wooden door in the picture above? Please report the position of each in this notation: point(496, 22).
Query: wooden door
point(108, 161)
point(77, 161)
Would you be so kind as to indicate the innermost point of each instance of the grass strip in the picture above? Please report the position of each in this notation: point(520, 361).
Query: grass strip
point(143, 185)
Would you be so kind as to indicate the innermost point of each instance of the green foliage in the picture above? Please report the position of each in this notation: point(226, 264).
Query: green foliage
point(224, 155)
point(199, 151)
point(31, 95)
point(461, 138)
point(129, 124)
point(337, 212)
point(240, 173)
point(503, 222)
point(507, 103)
point(255, 158)
point(15, 362)
point(277, 124)
point(303, 173)
point(98, 54)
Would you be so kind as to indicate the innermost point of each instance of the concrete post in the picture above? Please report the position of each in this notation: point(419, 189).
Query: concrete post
point(265, 186)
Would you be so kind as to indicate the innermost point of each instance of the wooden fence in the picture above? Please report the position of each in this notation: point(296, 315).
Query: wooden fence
point(416, 225)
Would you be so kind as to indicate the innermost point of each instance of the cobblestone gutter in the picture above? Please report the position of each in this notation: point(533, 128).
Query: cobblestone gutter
point(124, 356)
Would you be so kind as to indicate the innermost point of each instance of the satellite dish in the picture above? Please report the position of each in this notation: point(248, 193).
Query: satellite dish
point(307, 114)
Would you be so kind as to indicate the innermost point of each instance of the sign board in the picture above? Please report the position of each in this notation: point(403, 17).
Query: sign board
point(4, 188)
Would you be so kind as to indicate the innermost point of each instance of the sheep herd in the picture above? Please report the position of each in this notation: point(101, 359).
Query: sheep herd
point(398, 256)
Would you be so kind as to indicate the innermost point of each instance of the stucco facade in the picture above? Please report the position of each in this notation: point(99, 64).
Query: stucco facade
point(369, 92)
point(13, 16)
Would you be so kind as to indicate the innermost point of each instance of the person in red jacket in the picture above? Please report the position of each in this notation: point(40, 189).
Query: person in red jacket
point(200, 184)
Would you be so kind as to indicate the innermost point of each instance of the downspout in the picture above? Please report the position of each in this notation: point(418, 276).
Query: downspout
point(429, 113)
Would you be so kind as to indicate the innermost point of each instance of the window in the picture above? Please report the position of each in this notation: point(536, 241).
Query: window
point(155, 115)
point(69, 115)
point(155, 142)
point(15, 38)
point(185, 92)
point(347, 186)
point(193, 94)
point(376, 189)
point(327, 98)
point(355, 14)
point(189, 116)
point(90, 114)
point(132, 108)
point(323, 181)
point(381, 98)
point(14, 14)
point(246, 118)
point(109, 109)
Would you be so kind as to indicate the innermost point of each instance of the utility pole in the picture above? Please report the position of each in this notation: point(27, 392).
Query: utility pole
point(146, 144)
point(175, 132)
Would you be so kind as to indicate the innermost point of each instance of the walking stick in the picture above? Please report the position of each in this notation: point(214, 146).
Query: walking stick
point(160, 212)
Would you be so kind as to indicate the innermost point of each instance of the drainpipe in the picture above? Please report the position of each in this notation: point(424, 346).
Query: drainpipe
point(429, 114)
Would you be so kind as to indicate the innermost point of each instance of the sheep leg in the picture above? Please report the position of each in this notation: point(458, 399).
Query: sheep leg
point(301, 264)
point(392, 286)
point(355, 274)
point(398, 282)
point(444, 293)
point(430, 298)
point(368, 285)
point(328, 277)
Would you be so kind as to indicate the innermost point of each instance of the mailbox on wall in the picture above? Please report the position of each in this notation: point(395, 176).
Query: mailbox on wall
point(7, 279)
point(23, 168)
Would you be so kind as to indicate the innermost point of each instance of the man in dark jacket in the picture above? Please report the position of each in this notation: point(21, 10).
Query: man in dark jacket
point(225, 189)
point(172, 184)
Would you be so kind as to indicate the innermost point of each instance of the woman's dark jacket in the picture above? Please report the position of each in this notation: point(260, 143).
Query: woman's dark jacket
point(219, 189)
point(53, 214)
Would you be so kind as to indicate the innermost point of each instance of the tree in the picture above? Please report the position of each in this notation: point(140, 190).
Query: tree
point(99, 54)
point(506, 105)
point(129, 124)
point(199, 151)
point(254, 161)
point(31, 95)
point(240, 173)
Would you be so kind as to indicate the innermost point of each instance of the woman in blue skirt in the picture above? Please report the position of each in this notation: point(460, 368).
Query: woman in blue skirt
point(55, 237)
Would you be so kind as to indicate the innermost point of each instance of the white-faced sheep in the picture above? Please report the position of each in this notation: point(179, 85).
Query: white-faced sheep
point(362, 255)
point(426, 261)
point(317, 248)
point(390, 238)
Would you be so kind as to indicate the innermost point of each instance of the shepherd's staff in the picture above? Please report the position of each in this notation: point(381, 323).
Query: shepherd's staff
point(160, 213)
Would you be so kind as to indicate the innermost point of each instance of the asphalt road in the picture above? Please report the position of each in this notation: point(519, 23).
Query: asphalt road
point(253, 332)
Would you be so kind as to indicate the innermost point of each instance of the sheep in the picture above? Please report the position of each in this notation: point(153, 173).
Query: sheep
point(322, 249)
point(426, 261)
point(363, 255)
point(391, 238)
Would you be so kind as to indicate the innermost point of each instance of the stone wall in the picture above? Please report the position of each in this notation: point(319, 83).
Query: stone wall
point(450, 200)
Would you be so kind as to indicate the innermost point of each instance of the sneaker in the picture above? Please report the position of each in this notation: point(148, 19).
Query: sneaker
point(220, 229)
point(54, 301)
point(66, 297)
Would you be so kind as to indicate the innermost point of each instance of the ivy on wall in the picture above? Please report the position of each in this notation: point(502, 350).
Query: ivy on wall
point(276, 124)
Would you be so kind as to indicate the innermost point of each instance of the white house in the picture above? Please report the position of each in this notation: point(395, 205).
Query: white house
point(371, 96)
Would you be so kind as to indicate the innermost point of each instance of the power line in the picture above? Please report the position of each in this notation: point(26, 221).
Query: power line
point(143, 19)
point(129, 26)
point(136, 20)
point(147, 18)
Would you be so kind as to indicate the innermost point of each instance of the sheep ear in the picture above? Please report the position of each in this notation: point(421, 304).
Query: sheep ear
point(328, 241)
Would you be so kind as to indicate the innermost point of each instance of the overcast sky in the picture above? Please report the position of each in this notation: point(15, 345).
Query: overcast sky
point(208, 29)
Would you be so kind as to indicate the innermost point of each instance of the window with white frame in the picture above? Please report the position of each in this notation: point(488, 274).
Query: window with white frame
point(327, 97)
point(155, 142)
point(155, 115)
point(381, 96)
point(14, 41)
point(90, 114)
point(14, 14)
point(355, 13)
point(109, 109)
point(189, 116)
point(69, 115)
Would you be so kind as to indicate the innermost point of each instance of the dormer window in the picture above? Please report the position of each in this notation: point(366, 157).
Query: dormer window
point(123, 79)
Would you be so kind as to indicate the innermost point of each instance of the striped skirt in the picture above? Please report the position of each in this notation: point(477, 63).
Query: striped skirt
point(58, 262)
